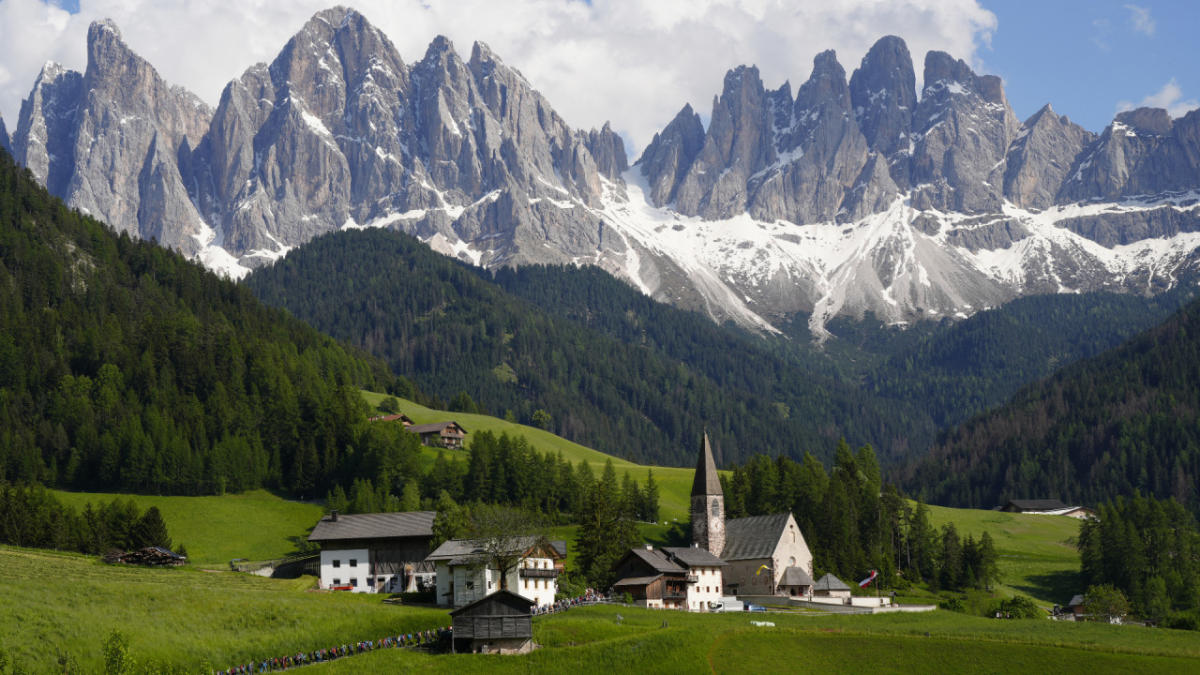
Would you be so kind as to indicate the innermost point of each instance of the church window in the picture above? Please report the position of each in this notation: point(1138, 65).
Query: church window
point(716, 509)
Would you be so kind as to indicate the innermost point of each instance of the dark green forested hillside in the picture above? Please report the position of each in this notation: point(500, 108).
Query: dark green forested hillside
point(1125, 421)
point(613, 369)
point(619, 371)
point(124, 367)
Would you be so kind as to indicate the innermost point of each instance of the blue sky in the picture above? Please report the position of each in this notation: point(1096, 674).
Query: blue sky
point(1085, 58)
point(636, 62)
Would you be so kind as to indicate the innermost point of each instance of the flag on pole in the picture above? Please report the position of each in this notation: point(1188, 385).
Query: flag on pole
point(868, 580)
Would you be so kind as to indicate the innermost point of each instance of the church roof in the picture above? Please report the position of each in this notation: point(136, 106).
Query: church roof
point(753, 537)
point(795, 576)
point(707, 482)
point(830, 583)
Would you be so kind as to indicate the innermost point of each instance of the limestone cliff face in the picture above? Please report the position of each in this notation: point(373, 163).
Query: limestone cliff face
point(853, 195)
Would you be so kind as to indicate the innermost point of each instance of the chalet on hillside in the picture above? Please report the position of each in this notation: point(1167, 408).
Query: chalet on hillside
point(398, 417)
point(447, 435)
point(499, 623)
point(1047, 507)
point(463, 577)
point(375, 552)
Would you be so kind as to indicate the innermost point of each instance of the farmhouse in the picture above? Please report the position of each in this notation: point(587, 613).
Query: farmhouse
point(1047, 507)
point(759, 550)
point(465, 573)
point(447, 435)
point(374, 552)
point(670, 578)
point(500, 623)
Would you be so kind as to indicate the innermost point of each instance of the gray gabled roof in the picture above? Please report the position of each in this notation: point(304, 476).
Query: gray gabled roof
point(693, 556)
point(753, 537)
point(795, 576)
point(1037, 504)
point(461, 551)
point(657, 561)
point(374, 526)
point(707, 481)
point(1076, 600)
point(830, 583)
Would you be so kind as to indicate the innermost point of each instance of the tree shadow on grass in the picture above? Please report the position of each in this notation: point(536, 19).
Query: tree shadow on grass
point(1056, 586)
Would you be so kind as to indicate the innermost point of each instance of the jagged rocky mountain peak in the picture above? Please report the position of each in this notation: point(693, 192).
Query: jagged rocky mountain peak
point(1154, 121)
point(852, 196)
point(4, 141)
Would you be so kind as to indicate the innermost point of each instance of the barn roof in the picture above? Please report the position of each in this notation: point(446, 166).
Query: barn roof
point(1036, 504)
point(795, 576)
point(753, 537)
point(830, 583)
point(693, 556)
point(637, 581)
point(707, 481)
point(505, 597)
point(374, 526)
point(434, 427)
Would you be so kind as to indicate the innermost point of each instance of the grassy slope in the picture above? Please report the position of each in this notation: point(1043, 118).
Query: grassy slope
point(178, 619)
point(256, 525)
point(1037, 553)
point(675, 484)
point(597, 639)
point(193, 621)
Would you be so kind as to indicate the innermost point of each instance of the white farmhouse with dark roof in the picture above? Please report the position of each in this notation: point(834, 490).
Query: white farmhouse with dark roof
point(373, 552)
point(670, 577)
point(464, 575)
point(759, 551)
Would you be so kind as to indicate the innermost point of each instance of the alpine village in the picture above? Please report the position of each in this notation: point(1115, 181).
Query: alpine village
point(369, 362)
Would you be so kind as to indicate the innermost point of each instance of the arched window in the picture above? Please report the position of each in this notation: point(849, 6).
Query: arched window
point(716, 509)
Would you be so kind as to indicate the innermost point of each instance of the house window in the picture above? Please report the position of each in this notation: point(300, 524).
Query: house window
point(353, 562)
point(337, 564)
point(370, 581)
point(337, 582)
point(354, 583)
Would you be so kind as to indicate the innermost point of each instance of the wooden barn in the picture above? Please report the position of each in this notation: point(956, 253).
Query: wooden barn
point(500, 623)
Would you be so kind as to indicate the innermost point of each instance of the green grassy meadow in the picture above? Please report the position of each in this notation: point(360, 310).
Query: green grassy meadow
point(1037, 553)
point(189, 620)
point(622, 639)
point(255, 525)
point(177, 620)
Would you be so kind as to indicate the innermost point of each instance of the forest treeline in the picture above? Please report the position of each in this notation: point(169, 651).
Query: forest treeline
point(853, 522)
point(31, 516)
point(1149, 550)
point(1124, 422)
point(126, 368)
point(501, 470)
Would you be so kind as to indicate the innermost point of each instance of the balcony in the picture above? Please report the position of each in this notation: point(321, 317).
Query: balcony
point(693, 579)
point(534, 573)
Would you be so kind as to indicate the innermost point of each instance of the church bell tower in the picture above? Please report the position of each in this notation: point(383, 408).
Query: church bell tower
point(708, 503)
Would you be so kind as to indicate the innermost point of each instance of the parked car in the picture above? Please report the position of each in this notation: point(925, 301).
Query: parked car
point(755, 608)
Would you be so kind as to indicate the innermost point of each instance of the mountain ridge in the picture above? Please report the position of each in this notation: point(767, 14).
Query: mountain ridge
point(856, 196)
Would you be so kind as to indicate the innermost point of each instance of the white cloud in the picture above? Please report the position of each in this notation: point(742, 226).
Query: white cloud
point(1140, 19)
point(632, 62)
point(1169, 97)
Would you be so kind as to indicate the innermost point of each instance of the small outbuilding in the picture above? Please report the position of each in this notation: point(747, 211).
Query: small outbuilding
point(796, 582)
point(830, 586)
point(500, 623)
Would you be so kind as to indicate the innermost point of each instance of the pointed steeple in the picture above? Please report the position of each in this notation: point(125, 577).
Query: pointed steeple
point(706, 482)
